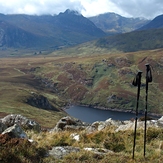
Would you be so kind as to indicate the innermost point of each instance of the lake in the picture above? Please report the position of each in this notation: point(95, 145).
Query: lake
point(90, 115)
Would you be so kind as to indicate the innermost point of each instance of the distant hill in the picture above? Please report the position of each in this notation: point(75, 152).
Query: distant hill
point(114, 23)
point(154, 24)
point(46, 31)
point(133, 41)
point(127, 42)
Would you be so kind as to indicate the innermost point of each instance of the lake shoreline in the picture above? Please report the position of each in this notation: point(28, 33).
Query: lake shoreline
point(116, 110)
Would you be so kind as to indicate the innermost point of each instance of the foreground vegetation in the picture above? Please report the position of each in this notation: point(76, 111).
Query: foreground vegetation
point(120, 143)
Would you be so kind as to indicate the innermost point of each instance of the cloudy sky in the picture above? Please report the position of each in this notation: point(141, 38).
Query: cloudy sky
point(128, 8)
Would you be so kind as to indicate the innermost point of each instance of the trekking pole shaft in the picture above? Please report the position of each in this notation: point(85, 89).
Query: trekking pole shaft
point(137, 104)
point(146, 106)
point(145, 125)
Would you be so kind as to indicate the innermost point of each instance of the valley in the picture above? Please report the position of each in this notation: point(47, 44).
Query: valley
point(101, 81)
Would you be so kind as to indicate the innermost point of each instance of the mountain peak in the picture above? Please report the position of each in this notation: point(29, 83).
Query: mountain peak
point(72, 12)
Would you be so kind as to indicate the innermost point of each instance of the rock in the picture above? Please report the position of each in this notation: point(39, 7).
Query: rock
point(100, 151)
point(115, 123)
point(129, 126)
point(91, 129)
point(60, 152)
point(73, 127)
point(100, 125)
point(75, 136)
point(161, 119)
point(2, 127)
point(96, 126)
point(15, 132)
point(140, 125)
point(68, 123)
point(40, 101)
point(12, 119)
point(160, 122)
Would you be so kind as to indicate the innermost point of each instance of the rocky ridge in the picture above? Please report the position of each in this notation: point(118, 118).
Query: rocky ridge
point(15, 126)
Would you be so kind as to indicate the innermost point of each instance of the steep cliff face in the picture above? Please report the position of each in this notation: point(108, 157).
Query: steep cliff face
point(11, 36)
point(41, 102)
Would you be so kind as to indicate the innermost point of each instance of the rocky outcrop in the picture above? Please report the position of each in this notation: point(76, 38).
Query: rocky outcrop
point(24, 122)
point(129, 125)
point(2, 127)
point(15, 131)
point(69, 123)
point(40, 101)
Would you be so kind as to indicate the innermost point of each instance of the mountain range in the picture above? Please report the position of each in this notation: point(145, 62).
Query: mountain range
point(71, 28)
point(46, 31)
point(113, 23)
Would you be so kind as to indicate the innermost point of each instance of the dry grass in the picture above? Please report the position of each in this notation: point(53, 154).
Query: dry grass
point(121, 143)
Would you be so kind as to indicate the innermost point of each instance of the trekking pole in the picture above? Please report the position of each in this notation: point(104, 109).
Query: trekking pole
point(148, 79)
point(136, 82)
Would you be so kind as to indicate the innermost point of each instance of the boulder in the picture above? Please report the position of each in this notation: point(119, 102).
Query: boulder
point(92, 128)
point(15, 131)
point(160, 122)
point(100, 125)
point(69, 123)
point(115, 123)
point(161, 119)
point(2, 127)
point(60, 152)
point(24, 122)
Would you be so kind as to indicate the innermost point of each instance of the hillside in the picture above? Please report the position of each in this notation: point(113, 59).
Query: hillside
point(113, 23)
point(154, 24)
point(133, 41)
point(127, 42)
point(46, 31)
point(102, 81)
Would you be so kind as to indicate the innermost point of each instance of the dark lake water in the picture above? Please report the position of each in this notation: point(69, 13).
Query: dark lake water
point(87, 114)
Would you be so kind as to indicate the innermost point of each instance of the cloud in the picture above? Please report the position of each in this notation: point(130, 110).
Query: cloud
point(95, 7)
point(128, 8)
point(38, 7)
point(139, 8)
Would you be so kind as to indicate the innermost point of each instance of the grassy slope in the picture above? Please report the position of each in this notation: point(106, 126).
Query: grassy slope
point(112, 74)
point(16, 85)
point(97, 80)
